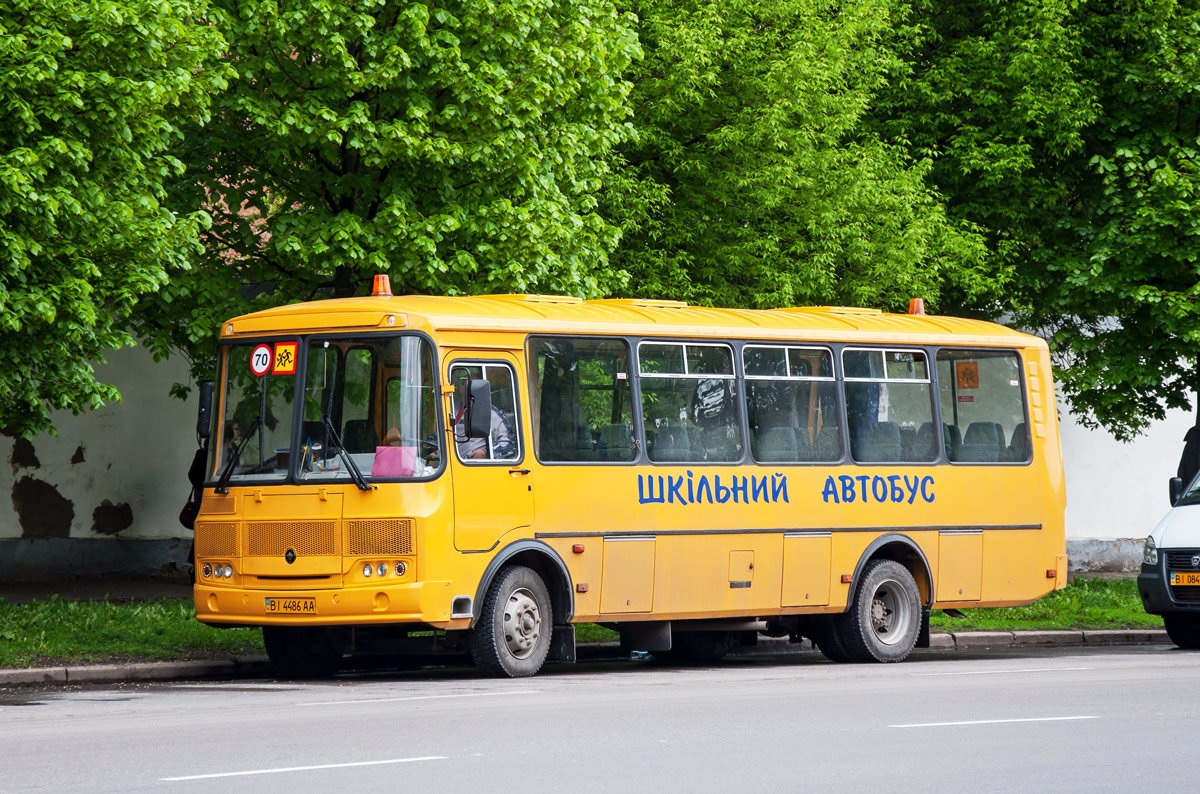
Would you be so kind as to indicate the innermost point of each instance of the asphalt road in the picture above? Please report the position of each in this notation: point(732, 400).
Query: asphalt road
point(1118, 719)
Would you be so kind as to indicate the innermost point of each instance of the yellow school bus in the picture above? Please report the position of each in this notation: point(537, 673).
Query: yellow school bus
point(481, 473)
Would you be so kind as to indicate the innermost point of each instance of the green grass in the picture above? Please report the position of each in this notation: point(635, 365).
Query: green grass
point(58, 631)
point(1085, 603)
point(590, 632)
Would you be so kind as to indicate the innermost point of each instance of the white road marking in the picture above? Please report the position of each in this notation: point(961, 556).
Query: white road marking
point(304, 768)
point(992, 722)
point(998, 672)
point(419, 697)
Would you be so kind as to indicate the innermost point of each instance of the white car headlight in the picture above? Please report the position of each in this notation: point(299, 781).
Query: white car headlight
point(1150, 552)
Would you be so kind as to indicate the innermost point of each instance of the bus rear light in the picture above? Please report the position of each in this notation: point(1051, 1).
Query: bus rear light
point(206, 570)
point(401, 569)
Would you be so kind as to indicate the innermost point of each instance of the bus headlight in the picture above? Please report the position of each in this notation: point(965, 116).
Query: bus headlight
point(228, 571)
point(401, 568)
point(1150, 552)
point(368, 569)
point(206, 570)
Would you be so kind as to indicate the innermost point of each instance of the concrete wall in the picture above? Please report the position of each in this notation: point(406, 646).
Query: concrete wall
point(1117, 492)
point(104, 495)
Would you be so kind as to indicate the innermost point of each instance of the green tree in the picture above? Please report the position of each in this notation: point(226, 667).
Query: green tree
point(456, 147)
point(92, 93)
point(1067, 131)
point(752, 180)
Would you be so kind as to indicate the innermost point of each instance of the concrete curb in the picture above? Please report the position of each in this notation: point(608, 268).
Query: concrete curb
point(137, 671)
point(767, 646)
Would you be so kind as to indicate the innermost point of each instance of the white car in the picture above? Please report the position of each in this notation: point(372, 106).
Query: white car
point(1170, 578)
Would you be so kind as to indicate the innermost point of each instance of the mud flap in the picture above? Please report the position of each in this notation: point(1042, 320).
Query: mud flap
point(562, 643)
point(923, 635)
point(646, 636)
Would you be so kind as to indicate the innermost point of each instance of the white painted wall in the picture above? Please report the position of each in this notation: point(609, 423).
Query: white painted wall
point(1117, 490)
point(135, 452)
point(138, 452)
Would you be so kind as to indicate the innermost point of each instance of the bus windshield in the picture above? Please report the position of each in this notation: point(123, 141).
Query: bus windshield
point(256, 423)
point(369, 408)
point(369, 404)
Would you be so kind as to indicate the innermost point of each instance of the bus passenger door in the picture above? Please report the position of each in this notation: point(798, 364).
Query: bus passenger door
point(493, 485)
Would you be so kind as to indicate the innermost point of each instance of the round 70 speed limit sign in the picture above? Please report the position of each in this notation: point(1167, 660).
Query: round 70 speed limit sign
point(260, 360)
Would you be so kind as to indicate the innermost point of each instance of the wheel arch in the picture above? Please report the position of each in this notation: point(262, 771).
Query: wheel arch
point(543, 560)
point(904, 550)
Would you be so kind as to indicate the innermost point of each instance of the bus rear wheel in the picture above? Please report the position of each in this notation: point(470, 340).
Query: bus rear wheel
point(302, 652)
point(512, 636)
point(885, 617)
point(1184, 630)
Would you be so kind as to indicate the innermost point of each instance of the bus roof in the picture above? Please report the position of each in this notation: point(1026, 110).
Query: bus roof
point(639, 317)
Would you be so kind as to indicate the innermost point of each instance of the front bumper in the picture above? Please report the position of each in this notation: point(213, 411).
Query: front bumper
point(417, 602)
point(1156, 594)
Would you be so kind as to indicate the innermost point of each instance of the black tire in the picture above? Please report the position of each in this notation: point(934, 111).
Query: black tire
point(884, 619)
point(302, 652)
point(1184, 630)
point(512, 636)
point(699, 647)
point(825, 633)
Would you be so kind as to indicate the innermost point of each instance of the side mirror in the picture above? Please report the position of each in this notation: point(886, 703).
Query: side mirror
point(204, 413)
point(1176, 487)
point(478, 419)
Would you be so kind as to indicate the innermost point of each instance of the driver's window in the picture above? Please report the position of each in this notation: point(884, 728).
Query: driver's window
point(503, 442)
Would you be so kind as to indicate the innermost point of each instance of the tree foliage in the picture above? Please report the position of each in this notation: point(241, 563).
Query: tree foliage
point(456, 146)
point(752, 180)
point(1068, 132)
point(92, 92)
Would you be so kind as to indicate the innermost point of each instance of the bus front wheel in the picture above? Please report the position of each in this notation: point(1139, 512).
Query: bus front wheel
point(512, 636)
point(302, 652)
point(885, 617)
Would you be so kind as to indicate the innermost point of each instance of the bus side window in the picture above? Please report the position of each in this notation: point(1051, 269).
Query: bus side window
point(503, 442)
point(689, 402)
point(982, 403)
point(791, 401)
point(889, 407)
point(580, 399)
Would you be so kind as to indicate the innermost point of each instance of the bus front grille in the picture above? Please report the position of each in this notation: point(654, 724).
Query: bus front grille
point(379, 536)
point(306, 538)
point(216, 539)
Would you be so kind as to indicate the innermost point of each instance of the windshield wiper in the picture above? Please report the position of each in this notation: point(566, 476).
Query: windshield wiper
point(227, 473)
point(332, 436)
point(351, 466)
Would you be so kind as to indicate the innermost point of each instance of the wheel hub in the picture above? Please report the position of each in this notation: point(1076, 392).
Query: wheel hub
point(522, 623)
point(889, 613)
